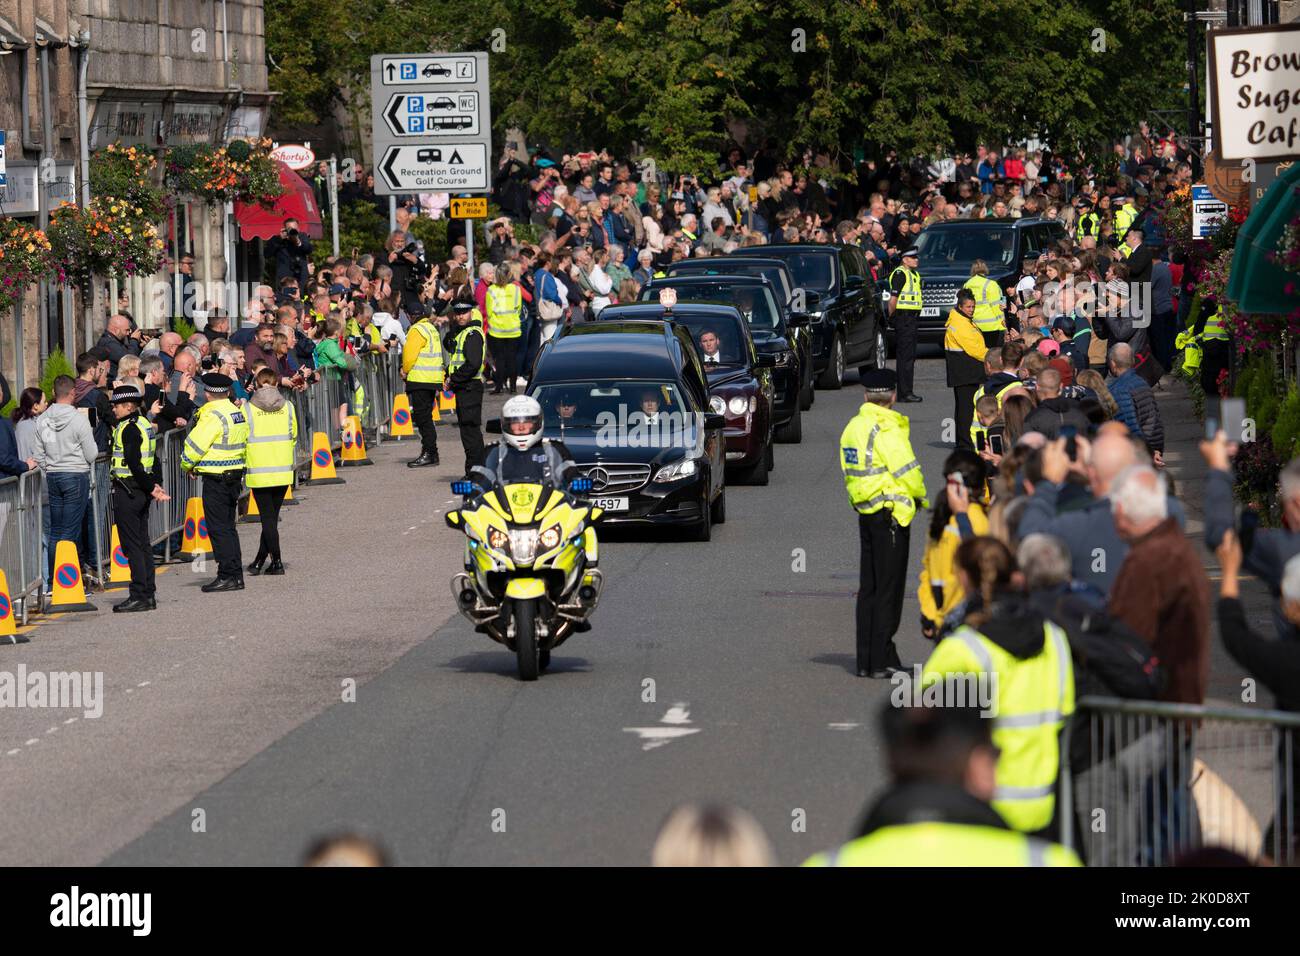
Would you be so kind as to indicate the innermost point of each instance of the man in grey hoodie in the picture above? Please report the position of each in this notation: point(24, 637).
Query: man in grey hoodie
point(65, 450)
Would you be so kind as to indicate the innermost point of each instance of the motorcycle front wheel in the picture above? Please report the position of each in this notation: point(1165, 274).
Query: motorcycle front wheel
point(526, 651)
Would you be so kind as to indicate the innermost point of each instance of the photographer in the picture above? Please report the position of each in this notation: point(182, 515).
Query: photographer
point(409, 269)
point(290, 250)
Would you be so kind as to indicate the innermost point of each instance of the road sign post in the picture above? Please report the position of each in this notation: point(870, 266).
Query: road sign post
point(431, 122)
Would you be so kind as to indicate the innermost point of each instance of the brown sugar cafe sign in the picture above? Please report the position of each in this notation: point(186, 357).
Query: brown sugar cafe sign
point(1256, 95)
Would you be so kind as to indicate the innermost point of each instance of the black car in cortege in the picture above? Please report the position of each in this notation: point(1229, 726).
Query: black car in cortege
point(757, 302)
point(837, 293)
point(630, 400)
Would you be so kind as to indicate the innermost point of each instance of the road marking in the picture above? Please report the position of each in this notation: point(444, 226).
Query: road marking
point(34, 740)
point(70, 720)
point(845, 725)
point(144, 683)
point(677, 717)
point(52, 730)
point(16, 750)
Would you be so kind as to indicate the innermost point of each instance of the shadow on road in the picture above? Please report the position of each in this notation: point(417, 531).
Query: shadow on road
point(847, 662)
point(501, 663)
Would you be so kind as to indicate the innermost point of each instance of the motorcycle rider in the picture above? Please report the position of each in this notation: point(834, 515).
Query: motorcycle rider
point(523, 455)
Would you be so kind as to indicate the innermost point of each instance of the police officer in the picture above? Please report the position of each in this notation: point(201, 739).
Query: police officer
point(504, 304)
point(523, 455)
point(884, 483)
point(423, 368)
point(1212, 335)
point(905, 307)
point(137, 481)
point(936, 811)
point(272, 431)
point(215, 449)
point(465, 344)
point(1089, 223)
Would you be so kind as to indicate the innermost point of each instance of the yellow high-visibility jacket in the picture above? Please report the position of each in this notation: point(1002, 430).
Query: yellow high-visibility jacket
point(880, 469)
point(939, 591)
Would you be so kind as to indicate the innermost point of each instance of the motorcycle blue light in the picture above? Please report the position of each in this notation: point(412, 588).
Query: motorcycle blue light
point(580, 484)
point(462, 488)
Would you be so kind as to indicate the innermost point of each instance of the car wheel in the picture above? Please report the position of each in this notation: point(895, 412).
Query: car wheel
point(704, 530)
point(756, 474)
point(791, 433)
point(833, 377)
point(718, 510)
point(882, 348)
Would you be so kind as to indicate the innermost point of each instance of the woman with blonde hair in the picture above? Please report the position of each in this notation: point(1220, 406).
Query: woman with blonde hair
point(1108, 407)
point(711, 835)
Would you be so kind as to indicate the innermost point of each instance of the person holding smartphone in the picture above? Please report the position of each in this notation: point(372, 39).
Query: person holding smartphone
point(958, 515)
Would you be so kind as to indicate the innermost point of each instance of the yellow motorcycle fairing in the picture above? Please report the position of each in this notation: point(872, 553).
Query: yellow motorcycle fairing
point(488, 528)
point(524, 589)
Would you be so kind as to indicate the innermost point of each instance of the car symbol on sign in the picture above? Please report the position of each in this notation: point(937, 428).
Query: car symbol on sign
point(433, 69)
point(442, 103)
point(429, 156)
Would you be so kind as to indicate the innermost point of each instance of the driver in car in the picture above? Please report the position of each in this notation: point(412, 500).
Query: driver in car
point(711, 345)
point(745, 303)
point(523, 455)
point(566, 406)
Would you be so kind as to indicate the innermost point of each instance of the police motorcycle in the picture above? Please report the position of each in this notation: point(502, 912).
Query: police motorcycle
point(530, 578)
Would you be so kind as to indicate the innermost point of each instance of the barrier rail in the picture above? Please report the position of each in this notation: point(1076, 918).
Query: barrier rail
point(1152, 781)
point(22, 539)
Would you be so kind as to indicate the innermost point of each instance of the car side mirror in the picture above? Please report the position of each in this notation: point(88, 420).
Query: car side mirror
point(492, 426)
point(811, 300)
point(798, 319)
point(766, 360)
point(712, 421)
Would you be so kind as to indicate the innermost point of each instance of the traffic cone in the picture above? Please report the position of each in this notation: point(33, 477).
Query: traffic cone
point(7, 627)
point(354, 444)
point(119, 568)
point(447, 399)
point(401, 426)
point(194, 535)
point(289, 499)
point(69, 589)
point(322, 462)
point(251, 514)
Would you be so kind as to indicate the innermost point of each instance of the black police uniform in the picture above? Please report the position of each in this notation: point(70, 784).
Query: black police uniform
point(131, 499)
point(468, 388)
point(905, 331)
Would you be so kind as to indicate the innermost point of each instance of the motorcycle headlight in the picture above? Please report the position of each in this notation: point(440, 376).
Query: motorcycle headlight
point(550, 537)
point(679, 469)
point(738, 405)
point(523, 545)
point(718, 405)
point(497, 539)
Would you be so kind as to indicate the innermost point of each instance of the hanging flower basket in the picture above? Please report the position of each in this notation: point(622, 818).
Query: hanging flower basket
point(25, 258)
point(108, 238)
point(126, 173)
point(240, 172)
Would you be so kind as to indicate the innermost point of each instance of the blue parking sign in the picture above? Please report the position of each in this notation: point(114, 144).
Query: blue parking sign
point(408, 71)
point(415, 124)
point(415, 104)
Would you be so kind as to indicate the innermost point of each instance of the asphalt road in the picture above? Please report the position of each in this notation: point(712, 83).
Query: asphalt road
point(713, 671)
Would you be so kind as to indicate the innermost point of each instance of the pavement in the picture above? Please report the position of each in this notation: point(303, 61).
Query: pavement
point(349, 696)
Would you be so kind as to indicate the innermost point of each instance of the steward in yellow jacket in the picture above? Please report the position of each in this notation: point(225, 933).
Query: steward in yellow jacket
point(884, 484)
point(937, 813)
point(964, 350)
point(424, 369)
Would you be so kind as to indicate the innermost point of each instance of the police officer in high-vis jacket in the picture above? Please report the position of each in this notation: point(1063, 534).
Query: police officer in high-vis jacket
point(905, 306)
point(884, 483)
point(464, 344)
point(936, 811)
point(424, 369)
point(136, 472)
point(215, 449)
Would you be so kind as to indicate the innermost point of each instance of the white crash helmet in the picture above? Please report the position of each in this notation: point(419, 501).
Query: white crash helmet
point(521, 408)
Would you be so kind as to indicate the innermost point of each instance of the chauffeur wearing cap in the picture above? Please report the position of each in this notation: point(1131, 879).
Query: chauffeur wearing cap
point(216, 449)
point(883, 479)
point(137, 481)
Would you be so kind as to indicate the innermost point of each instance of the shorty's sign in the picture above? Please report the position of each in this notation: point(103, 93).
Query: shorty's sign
point(294, 156)
point(1256, 92)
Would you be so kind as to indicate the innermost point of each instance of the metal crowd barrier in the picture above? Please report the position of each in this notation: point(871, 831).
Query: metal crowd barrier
point(1154, 781)
point(22, 538)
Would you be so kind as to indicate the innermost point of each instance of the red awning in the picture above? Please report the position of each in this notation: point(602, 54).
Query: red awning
point(298, 201)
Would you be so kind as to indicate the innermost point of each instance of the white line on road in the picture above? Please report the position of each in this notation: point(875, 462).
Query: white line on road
point(52, 730)
point(144, 683)
point(71, 720)
point(34, 740)
point(652, 737)
point(16, 750)
point(846, 725)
